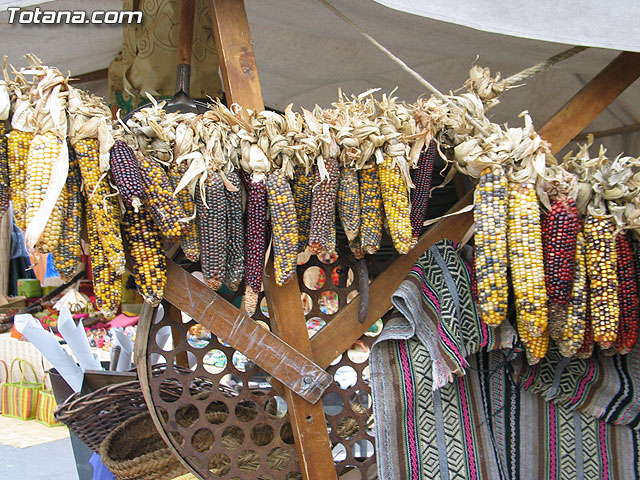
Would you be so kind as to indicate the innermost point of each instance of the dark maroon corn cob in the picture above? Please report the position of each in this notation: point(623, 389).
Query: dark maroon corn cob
point(235, 231)
point(628, 296)
point(212, 229)
point(323, 207)
point(125, 173)
point(559, 236)
point(420, 194)
point(256, 242)
point(586, 350)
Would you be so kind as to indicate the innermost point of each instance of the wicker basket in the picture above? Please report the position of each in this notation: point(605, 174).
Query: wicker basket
point(94, 415)
point(135, 450)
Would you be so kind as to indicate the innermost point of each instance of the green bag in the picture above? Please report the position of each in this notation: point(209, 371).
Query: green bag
point(20, 399)
point(46, 405)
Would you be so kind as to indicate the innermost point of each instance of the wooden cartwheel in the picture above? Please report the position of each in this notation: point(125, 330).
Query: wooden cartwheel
point(273, 403)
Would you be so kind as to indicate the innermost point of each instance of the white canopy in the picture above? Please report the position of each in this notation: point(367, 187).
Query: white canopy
point(305, 53)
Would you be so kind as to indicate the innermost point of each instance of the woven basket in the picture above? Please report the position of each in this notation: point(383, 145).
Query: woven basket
point(94, 415)
point(135, 450)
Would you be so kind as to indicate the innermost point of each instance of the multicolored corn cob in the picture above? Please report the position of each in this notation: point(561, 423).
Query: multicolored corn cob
point(490, 253)
point(189, 241)
point(145, 246)
point(371, 210)
point(526, 260)
point(535, 347)
point(256, 247)
point(628, 296)
point(323, 207)
point(284, 227)
point(588, 343)
point(18, 145)
point(235, 231)
point(124, 170)
point(349, 202)
point(67, 255)
point(395, 197)
point(302, 189)
point(599, 235)
point(107, 283)
point(44, 150)
point(101, 201)
point(572, 329)
point(4, 172)
point(212, 229)
point(158, 197)
point(421, 177)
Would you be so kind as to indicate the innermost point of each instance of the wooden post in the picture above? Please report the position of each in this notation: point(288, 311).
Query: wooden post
point(242, 86)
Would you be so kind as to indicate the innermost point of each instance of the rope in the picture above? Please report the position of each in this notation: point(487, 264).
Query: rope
point(542, 66)
point(405, 67)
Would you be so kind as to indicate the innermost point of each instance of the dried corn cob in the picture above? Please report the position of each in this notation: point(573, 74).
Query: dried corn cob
point(349, 202)
point(284, 227)
point(124, 170)
point(158, 197)
point(212, 229)
point(302, 189)
point(395, 197)
point(189, 240)
point(535, 347)
point(107, 283)
point(526, 260)
point(599, 235)
point(355, 246)
point(43, 153)
point(573, 331)
point(627, 296)
point(490, 253)
point(586, 349)
point(371, 208)
point(420, 194)
point(323, 206)
point(67, 255)
point(4, 172)
point(18, 145)
point(256, 242)
point(145, 247)
point(235, 231)
point(101, 201)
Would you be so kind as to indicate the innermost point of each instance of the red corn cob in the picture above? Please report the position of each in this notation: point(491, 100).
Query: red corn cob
point(420, 194)
point(323, 207)
point(125, 173)
point(4, 171)
point(257, 231)
point(627, 296)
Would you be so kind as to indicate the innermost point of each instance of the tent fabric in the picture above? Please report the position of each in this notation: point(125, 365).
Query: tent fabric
point(304, 53)
point(548, 20)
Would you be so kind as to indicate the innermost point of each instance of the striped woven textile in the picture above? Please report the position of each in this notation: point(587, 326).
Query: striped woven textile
point(607, 387)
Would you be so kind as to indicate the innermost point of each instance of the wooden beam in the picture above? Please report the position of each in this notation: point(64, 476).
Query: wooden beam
point(307, 421)
point(589, 102)
point(244, 334)
point(235, 52)
point(344, 329)
point(94, 76)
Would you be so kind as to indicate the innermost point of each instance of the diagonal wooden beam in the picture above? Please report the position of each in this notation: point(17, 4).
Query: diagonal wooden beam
point(591, 100)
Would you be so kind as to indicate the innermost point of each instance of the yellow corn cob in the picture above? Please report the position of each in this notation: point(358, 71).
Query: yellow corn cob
point(600, 244)
point(535, 347)
point(349, 202)
point(573, 332)
point(4, 172)
point(102, 202)
point(490, 222)
point(67, 255)
point(43, 152)
point(189, 238)
point(149, 261)
point(18, 145)
point(524, 239)
point(395, 196)
point(284, 225)
point(107, 283)
point(371, 208)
